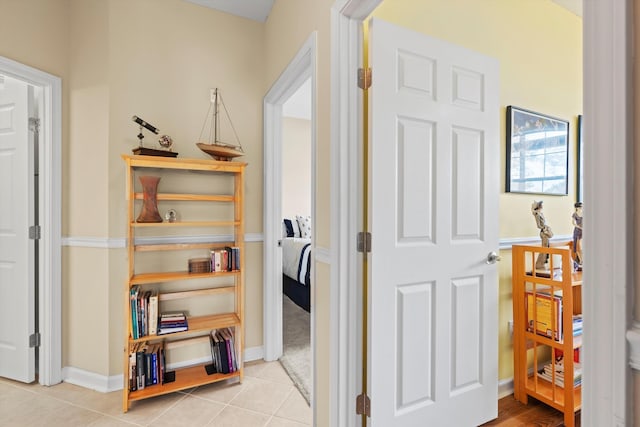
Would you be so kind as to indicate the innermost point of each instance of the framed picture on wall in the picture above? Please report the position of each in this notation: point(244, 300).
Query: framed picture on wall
point(580, 162)
point(537, 153)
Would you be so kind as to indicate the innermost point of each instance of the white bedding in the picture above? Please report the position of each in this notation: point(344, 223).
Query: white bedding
point(295, 257)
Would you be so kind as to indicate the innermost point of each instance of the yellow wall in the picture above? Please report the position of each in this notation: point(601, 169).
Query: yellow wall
point(539, 47)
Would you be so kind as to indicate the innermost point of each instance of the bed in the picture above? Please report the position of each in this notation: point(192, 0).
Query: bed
point(296, 264)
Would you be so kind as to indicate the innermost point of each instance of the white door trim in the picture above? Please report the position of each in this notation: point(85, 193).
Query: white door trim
point(300, 69)
point(346, 208)
point(609, 237)
point(50, 308)
point(606, 99)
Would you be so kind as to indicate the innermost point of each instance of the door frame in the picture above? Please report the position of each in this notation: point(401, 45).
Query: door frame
point(50, 306)
point(607, 98)
point(301, 68)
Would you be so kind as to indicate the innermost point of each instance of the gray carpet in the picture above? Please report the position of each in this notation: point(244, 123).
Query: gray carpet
point(296, 357)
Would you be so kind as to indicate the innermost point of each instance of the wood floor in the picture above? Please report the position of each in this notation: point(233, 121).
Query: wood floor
point(512, 413)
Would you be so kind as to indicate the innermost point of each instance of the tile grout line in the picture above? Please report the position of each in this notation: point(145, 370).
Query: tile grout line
point(184, 396)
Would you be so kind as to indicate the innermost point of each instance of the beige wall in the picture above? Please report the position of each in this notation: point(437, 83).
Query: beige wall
point(36, 33)
point(296, 171)
point(539, 47)
point(163, 57)
point(117, 58)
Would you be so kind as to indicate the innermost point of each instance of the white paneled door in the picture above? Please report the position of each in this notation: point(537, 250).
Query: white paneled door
point(17, 359)
point(433, 207)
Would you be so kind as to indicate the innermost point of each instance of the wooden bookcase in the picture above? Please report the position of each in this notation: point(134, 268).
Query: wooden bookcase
point(552, 336)
point(205, 285)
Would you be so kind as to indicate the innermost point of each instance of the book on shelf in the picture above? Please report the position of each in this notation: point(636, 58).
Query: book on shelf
point(547, 314)
point(144, 312)
point(153, 312)
point(231, 354)
point(217, 260)
point(141, 370)
point(226, 259)
point(146, 365)
point(223, 352)
point(133, 295)
point(133, 372)
point(172, 316)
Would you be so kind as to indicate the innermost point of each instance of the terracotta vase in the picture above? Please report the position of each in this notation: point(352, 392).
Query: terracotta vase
point(149, 211)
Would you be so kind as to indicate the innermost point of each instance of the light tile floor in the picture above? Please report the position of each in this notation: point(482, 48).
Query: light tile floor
point(266, 398)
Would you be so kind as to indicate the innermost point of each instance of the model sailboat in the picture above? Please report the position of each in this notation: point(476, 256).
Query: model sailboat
point(217, 149)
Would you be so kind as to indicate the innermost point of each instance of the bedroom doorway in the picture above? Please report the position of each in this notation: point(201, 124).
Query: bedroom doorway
point(289, 193)
point(296, 238)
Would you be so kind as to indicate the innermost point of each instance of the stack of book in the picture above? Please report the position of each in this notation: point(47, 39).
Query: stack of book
point(577, 325)
point(144, 312)
point(146, 365)
point(172, 322)
point(547, 373)
point(223, 351)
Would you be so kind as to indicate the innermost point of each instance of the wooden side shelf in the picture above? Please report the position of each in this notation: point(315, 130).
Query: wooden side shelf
point(228, 345)
point(544, 306)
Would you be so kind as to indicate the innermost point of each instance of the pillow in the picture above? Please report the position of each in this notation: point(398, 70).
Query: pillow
point(291, 227)
point(287, 228)
point(304, 222)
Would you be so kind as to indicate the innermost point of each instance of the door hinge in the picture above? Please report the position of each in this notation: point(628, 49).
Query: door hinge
point(34, 232)
point(34, 124)
point(364, 78)
point(34, 340)
point(363, 405)
point(364, 242)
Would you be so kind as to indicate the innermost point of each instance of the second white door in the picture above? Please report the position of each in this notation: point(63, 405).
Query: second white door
point(17, 322)
point(433, 207)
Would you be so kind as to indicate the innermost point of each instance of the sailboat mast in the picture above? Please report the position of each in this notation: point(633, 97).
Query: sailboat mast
point(215, 116)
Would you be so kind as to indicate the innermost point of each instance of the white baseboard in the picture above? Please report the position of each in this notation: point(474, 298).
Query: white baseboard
point(253, 353)
point(505, 387)
point(91, 380)
point(106, 384)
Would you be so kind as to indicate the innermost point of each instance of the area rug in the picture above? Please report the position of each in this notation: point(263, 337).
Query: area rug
point(296, 357)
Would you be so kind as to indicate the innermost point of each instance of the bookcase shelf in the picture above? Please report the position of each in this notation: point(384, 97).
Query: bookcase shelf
point(188, 377)
point(196, 285)
point(544, 306)
point(188, 197)
point(186, 224)
point(197, 325)
point(172, 276)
